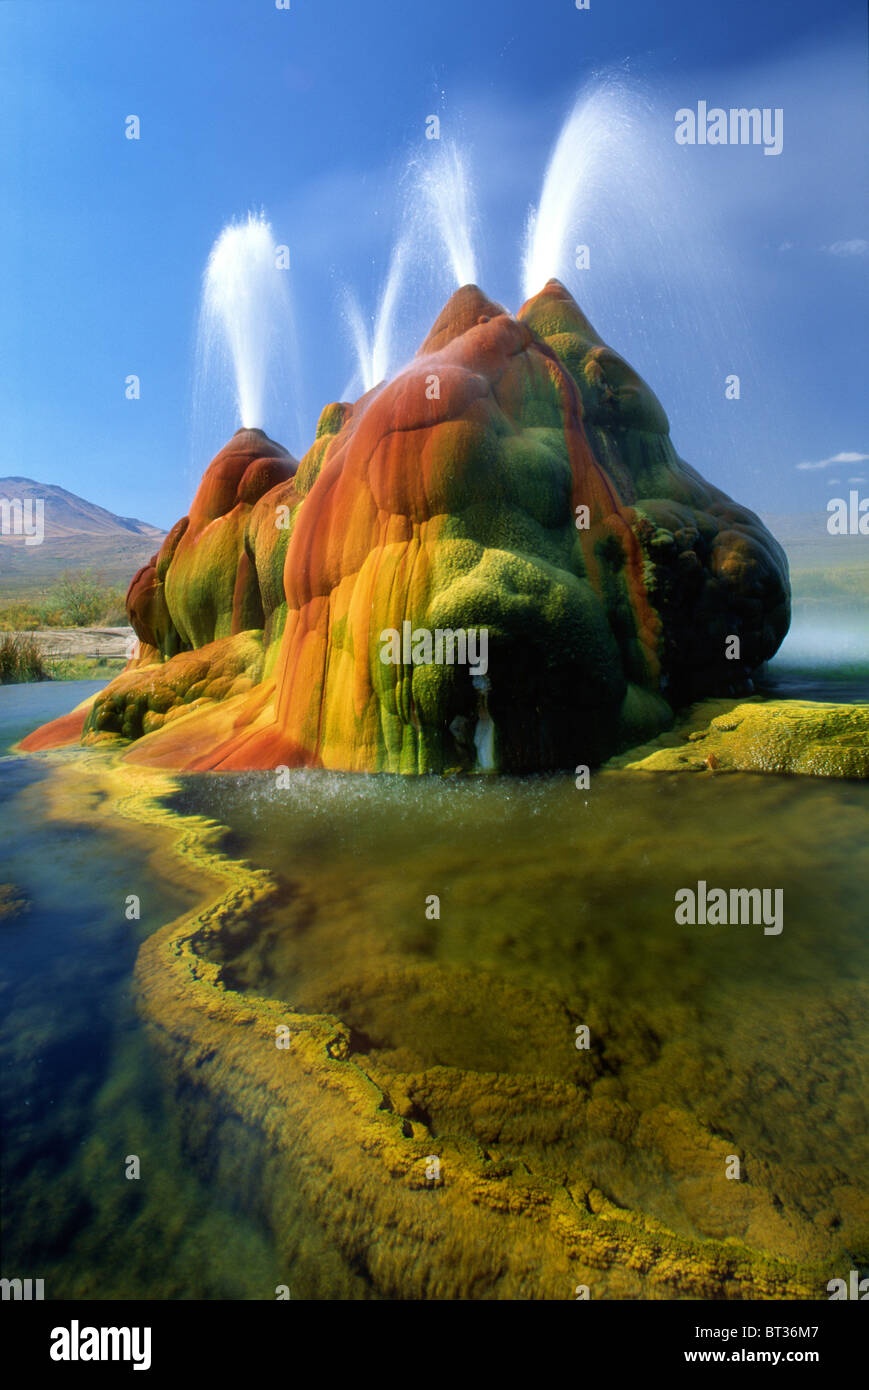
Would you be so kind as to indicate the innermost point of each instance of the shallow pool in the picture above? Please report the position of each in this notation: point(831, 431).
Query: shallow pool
point(507, 958)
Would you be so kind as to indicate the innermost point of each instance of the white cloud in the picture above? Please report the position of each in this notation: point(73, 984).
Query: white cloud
point(856, 480)
point(836, 458)
point(856, 247)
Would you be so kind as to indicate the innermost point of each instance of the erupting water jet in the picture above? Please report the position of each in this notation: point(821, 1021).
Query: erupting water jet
point(446, 187)
point(374, 347)
point(593, 140)
point(245, 306)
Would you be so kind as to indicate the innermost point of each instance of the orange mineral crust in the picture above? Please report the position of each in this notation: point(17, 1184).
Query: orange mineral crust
point(494, 561)
point(58, 733)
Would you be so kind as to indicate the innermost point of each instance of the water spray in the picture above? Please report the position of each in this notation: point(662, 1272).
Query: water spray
point(245, 305)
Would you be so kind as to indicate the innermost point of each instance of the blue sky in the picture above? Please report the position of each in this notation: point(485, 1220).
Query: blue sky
point(730, 262)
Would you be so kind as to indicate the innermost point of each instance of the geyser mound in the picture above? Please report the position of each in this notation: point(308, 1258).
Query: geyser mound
point(516, 478)
point(202, 585)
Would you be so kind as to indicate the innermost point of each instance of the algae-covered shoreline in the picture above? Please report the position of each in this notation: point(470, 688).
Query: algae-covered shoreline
point(414, 1038)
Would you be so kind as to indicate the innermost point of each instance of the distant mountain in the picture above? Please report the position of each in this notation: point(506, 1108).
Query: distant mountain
point(69, 515)
point(77, 534)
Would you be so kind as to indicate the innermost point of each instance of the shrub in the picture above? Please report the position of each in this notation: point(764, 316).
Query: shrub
point(21, 659)
point(21, 617)
point(85, 668)
point(81, 598)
